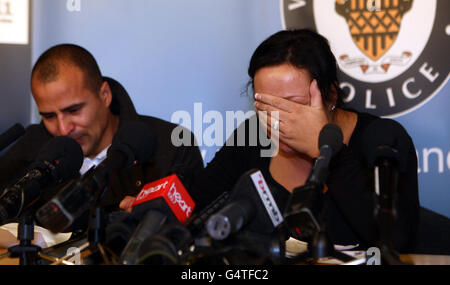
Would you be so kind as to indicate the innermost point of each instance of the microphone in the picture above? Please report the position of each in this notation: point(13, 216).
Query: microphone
point(160, 202)
point(330, 143)
point(12, 134)
point(173, 242)
point(251, 205)
point(196, 223)
point(171, 245)
point(305, 203)
point(386, 139)
point(385, 147)
point(133, 143)
point(58, 160)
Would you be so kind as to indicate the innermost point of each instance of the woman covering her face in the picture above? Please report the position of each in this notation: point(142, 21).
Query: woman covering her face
point(294, 77)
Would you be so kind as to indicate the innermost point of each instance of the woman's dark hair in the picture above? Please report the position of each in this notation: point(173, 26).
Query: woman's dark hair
point(303, 49)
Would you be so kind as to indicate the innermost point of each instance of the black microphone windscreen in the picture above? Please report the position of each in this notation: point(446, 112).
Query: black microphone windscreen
point(121, 226)
point(136, 140)
point(63, 152)
point(331, 134)
point(11, 135)
point(266, 215)
point(166, 247)
point(388, 139)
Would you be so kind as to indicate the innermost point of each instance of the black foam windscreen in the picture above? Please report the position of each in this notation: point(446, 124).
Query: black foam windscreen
point(386, 138)
point(65, 154)
point(136, 140)
point(331, 134)
point(259, 219)
point(11, 135)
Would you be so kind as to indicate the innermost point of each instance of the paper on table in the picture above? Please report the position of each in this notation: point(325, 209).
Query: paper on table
point(295, 247)
point(43, 237)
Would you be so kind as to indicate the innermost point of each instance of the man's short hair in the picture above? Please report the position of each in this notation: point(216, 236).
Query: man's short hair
point(46, 68)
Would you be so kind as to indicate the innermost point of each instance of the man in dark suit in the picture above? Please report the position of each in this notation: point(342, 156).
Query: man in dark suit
point(75, 100)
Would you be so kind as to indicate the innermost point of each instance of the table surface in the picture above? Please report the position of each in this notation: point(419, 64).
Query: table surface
point(426, 259)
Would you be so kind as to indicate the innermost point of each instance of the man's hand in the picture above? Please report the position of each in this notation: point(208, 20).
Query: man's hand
point(126, 203)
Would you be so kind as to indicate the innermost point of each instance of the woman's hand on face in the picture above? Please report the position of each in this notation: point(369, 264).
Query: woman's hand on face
point(299, 125)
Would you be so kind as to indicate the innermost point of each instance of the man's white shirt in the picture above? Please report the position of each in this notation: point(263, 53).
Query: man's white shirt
point(88, 163)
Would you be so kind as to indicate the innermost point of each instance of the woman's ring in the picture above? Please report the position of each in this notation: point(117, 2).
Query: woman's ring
point(276, 125)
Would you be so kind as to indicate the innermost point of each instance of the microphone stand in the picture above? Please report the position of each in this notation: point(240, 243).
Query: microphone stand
point(306, 218)
point(96, 234)
point(385, 210)
point(25, 250)
point(388, 255)
point(320, 246)
point(97, 229)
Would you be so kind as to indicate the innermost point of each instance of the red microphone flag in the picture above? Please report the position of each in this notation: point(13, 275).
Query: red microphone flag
point(172, 190)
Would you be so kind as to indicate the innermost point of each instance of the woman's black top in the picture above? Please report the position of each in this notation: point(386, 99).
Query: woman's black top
point(350, 197)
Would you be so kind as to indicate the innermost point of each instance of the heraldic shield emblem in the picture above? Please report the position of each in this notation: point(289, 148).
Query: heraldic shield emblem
point(373, 24)
point(392, 54)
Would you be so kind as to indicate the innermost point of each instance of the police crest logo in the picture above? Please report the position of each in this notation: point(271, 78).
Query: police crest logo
point(392, 54)
point(373, 27)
